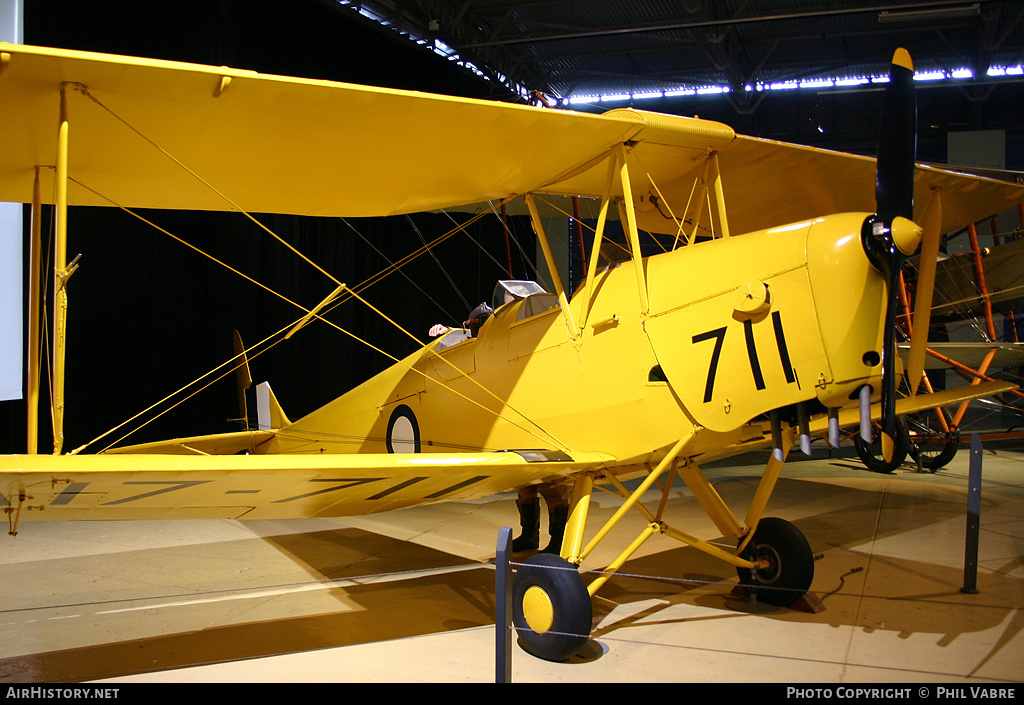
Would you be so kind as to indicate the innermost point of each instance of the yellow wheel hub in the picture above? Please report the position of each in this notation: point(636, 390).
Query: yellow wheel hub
point(538, 610)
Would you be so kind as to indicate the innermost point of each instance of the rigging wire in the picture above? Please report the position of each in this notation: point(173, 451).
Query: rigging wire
point(527, 260)
point(409, 279)
point(189, 245)
point(471, 378)
point(85, 91)
point(440, 266)
point(44, 337)
point(960, 313)
point(251, 353)
point(352, 293)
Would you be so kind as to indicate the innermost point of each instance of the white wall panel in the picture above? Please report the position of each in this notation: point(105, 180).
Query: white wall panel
point(12, 347)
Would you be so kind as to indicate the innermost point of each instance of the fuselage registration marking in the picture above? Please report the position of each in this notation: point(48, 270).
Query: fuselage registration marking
point(718, 335)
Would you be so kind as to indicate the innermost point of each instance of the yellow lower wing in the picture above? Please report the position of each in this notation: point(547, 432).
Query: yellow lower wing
point(154, 486)
point(920, 402)
point(851, 417)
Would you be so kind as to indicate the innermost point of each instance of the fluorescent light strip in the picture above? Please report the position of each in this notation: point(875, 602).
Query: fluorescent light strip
point(442, 49)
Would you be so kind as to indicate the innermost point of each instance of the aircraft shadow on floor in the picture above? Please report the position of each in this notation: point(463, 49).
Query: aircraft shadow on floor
point(384, 588)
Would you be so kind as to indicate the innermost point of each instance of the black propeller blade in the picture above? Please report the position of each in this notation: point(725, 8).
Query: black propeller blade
point(897, 142)
point(890, 236)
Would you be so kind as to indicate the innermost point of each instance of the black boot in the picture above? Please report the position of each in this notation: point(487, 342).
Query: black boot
point(529, 520)
point(557, 518)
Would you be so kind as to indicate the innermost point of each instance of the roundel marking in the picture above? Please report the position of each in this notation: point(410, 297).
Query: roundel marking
point(403, 434)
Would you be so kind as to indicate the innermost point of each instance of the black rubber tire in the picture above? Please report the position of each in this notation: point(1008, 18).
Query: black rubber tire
point(789, 576)
point(929, 442)
point(871, 453)
point(934, 461)
point(572, 613)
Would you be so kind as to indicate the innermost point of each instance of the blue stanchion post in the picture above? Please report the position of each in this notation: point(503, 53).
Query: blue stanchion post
point(503, 607)
point(973, 518)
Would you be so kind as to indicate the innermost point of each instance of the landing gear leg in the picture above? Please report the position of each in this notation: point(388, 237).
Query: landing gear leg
point(551, 605)
point(552, 609)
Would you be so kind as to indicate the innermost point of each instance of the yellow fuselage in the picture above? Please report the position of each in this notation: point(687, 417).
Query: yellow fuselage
point(737, 327)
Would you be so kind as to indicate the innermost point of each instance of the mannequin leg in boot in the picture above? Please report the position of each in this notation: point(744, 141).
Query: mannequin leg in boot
point(528, 505)
point(557, 499)
point(557, 517)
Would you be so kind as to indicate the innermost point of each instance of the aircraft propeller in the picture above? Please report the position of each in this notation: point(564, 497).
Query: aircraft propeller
point(932, 223)
point(890, 235)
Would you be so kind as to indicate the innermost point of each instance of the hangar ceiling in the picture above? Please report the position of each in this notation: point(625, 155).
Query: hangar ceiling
point(584, 48)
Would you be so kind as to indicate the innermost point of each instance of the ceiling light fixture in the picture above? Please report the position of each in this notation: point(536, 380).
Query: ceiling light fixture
point(937, 13)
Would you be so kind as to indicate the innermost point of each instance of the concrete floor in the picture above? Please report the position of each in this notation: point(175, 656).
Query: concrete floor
point(409, 595)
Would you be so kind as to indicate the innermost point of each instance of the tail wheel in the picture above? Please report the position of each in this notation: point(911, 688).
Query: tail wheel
point(871, 453)
point(790, 568)
point(551, 608)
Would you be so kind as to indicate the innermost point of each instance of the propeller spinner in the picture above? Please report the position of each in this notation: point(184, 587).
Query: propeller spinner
point(890, 235)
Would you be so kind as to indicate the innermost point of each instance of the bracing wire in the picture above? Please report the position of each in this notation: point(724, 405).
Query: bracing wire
point(352, 292)
point(85, 92)
point(251, 353)
point(959, 308)
point(535, 273)
point(471, 378)
point(440, 266)
point(409, 279)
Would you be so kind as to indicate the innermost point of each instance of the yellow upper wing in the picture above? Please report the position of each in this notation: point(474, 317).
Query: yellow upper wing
point(159, 134)
point(274, 144)
point(794, 183)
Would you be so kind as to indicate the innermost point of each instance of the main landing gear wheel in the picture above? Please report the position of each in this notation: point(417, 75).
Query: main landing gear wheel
point(551, 608)
point(935, 452)
point(871, 453)
point(930, 445)
point(790, 568)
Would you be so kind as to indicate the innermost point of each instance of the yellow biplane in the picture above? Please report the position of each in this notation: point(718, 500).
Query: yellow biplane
point(776, 330)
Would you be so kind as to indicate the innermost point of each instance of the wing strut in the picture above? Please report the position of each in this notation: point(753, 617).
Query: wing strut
point(34, 300)
point(61, 272)
point(619, 174)
point(631, 230)
point(563, 302)
point(716, 177)
point(925, 289)
point(618, 171)
point(595, 252)
point(711, 174)
point(573, 551)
